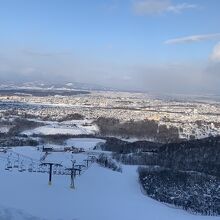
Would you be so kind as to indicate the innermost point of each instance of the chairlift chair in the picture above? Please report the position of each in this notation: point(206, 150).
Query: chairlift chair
point(55, 170)
point(21, 167)
point(59, 171)
point(39, 169)
point(9, 165)
point(45, 171)
point(34, 169)
point(44, 168)
point(6, 167)
point(30, 167)
point(63, 172)
point(16, 164)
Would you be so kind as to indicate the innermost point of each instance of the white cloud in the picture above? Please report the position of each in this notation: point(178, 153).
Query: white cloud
point(180, 7)
point(215, 56)
point(193, 38)
point(150, 7)
point(144, 7)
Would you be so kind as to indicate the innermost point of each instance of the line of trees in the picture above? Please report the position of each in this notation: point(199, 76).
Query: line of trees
point(195, 192)
point(108, 162)
point(140, 129)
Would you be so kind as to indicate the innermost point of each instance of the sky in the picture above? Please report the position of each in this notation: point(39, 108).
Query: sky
point(164, 46)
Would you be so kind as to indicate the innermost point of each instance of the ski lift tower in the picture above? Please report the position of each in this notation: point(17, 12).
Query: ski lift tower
point(50, 164)
point(72, 175)
point(87, 161)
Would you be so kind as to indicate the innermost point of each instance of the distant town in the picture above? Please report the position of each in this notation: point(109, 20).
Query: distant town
point(193, 119)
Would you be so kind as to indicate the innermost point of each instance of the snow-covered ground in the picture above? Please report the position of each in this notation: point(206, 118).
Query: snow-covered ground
point(75, 127)
point(28, 152)
point(100, 193)
point(86, 143)
point(14, 214)
point(4, 129)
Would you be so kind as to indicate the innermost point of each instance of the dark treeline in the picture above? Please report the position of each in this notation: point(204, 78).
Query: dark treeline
point(13, 142)
point(194, 192)
point(69, 117)
point(22, 124)
point(61, 138)
point(198, 155)
point(40, 92)
point(14, 137)
point(148, 158)
point(19, 125)
point(132, 153)
point(140, 129)
point(123, 147)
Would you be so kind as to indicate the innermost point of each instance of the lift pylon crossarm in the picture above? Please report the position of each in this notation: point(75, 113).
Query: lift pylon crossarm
point(50, 164)
point(80, 166)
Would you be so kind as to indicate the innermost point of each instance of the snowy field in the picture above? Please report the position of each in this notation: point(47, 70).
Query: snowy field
point(86, 143)
point(100, 193)
point(75, 127)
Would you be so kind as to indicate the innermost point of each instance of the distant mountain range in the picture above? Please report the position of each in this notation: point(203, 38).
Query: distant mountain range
point(36, 85)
